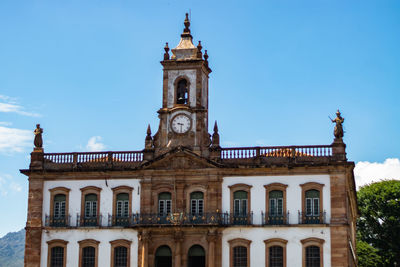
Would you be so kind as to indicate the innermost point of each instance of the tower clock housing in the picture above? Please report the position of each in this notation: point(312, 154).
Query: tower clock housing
point(184, 112)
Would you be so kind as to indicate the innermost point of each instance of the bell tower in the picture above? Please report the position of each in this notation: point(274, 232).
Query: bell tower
point(184, 112)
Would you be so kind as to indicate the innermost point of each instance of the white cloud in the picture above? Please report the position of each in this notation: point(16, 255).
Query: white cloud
point(94, 144)
point(8, 185)
point(9, 105)
point(5, 123)
point(14, 140)
point(367, 172)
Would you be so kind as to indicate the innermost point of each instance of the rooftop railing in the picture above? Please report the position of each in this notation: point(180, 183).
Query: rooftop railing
point(93, 157)
point(276, 151)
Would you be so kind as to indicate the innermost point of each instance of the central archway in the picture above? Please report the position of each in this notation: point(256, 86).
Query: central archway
point(196, 256)
point(163, 257)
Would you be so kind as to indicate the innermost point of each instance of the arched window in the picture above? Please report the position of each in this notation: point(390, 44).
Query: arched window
point(240, 256)
point(275, 252)
point(313, 256)
point(120, 256)
point(197, 203)
point(239, 251)
point(164, 203)
point(196, 256)
point(57, 253)
point(120, 253)
point(182, 92)
point(163, 257)
point(312, 252)
point(88, 257)
point(90, 206)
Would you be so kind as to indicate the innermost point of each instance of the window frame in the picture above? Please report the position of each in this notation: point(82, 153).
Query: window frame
point(275, 242)
point(276, 187)
point(57, 191)
point(86, 191)
point(192, 189)
point(56, 243)
point(118, 190)
point(311, 186)
point(88, 243)
point(121, 243)
point(313, 241)
point(165, 203)
point(240, 187)
point(236, 243)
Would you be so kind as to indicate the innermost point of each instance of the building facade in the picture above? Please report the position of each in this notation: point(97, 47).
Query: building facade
point(186, 201)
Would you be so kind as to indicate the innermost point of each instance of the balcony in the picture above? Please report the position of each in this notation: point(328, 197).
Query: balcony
point(57, 221)
point(93, 221)
point(273, 219)
point(319, 218)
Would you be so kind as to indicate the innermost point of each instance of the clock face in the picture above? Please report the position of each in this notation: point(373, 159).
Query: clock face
point(181, 123)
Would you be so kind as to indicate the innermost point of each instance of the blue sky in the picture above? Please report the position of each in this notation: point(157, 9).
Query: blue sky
point(89, 73)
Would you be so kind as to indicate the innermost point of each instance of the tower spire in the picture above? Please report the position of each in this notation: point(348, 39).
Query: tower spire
point(186, 31)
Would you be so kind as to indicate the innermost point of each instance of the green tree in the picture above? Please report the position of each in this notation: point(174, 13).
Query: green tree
point(379, 222)
point(367, 255)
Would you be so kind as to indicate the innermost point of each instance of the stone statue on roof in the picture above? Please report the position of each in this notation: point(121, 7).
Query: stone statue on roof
point(38, 141)
point(338, 132)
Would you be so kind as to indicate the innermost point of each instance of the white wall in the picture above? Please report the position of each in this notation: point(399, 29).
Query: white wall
point(293, 248)
point(106, 196)
point(293, 193)
point(104, 236)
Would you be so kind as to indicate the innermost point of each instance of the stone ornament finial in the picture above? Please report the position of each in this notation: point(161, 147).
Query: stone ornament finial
point(166, 54)
point(187, 24)
point(338, 131)
point(215, 137)
point(149, 140)
point(199, 53)
point(206, 58)
point(38, 141)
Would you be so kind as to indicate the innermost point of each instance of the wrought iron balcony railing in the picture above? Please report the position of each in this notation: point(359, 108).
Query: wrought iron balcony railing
point(91, 221)
point(168, 219)
point(57, 221)
point(319, 218)
point(274, 219)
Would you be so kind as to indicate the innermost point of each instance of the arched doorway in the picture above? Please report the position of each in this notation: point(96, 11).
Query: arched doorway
point(196, 256)
point(163, 257)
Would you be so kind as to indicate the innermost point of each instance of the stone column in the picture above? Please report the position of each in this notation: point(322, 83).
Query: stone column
point(211, 238)
point(178, 248)
point(144, 238)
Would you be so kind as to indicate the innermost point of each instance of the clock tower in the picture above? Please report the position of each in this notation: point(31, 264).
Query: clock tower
point(184, 112)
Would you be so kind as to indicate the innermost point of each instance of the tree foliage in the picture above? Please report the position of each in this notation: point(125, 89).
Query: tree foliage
point(379, 222)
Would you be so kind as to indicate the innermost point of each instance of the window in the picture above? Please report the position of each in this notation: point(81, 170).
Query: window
point(122, 205)
point(275, 204)
point(90, 210)
point(122, 209)
point(275, 252)
point(163, 257)
point(312, 252)
point(57, 253)
point(88, 253)
point(312, 211)
point(240, 204)
point(197, 203)
point(120, 253)
point(312, 203)
point(239, 252)
point(164, 203)
point(59, 207)
point(182, 92)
